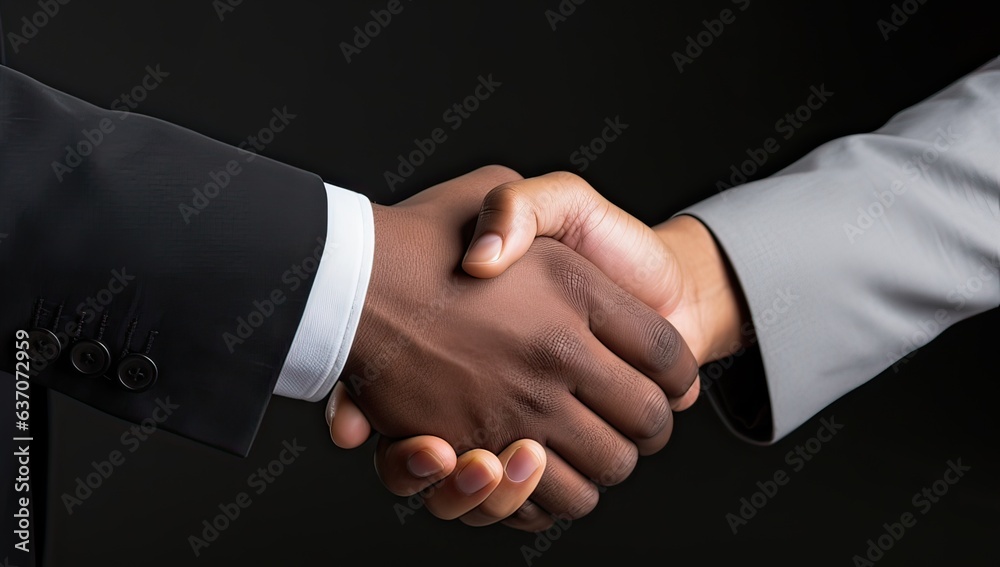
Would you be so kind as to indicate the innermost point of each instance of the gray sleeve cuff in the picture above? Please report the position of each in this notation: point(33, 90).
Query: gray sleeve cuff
point(863, 251)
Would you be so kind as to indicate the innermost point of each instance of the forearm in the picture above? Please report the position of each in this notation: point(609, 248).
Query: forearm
point(123, 228)
point(869, 247)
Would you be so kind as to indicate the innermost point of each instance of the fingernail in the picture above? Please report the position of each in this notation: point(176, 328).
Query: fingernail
point(331, 406)
point(485, 249)
point(521, 465)
point(473, 478)
point(423, 464)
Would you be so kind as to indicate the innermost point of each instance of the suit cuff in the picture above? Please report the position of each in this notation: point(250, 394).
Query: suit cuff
point(325, 334)
point(856, 255)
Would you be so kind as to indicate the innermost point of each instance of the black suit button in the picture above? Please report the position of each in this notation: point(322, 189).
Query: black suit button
point(136, 372)
point(43, 345)
point(90, 358)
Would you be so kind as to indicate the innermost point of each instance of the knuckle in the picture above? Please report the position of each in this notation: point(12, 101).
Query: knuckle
point(535, 397)
point(619, 300)
point(612, 456)
point(573, 276)
point(492, 428)
point(504, 197)
point(556, 347)
point(501, 172)
point(505, 204)
point(565, 347)
point(666, 345)
point(580, 501)
point(620, 466)
point(567, 178)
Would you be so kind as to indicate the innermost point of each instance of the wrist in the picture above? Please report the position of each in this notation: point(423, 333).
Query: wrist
point(380, 299)
point(711, 294)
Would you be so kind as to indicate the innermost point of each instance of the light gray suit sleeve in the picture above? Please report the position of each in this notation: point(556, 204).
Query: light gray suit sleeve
point(867, 248)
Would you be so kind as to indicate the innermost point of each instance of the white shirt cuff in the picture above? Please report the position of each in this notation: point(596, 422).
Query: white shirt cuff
point(325, 334)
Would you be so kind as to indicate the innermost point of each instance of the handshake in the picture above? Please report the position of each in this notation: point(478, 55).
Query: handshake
point(538, 366)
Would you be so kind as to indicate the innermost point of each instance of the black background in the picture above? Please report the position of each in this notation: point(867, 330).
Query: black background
point(685, 131)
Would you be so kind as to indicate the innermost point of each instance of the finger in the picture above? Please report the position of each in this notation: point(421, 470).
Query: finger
point(349, 428)
point(408, 466)
point(477, 474)
point(641, 337)
point(592, 447)
point(529, 518)
point(626, 399)
point(562, 491)
point(563, 206)
point(523, 464)
point(689, 398)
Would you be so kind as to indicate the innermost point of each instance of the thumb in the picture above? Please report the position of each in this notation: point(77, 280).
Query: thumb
point(563, 206)
point(349, 428)
point(514, 213)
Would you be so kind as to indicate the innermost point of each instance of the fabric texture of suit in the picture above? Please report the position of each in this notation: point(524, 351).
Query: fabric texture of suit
point(860, 253)
point(152, 231)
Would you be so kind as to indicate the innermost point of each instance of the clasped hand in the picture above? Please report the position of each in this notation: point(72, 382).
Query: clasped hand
point(541, 363)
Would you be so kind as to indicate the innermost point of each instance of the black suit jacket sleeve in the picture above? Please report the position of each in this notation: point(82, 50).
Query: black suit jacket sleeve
point(151, 231)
